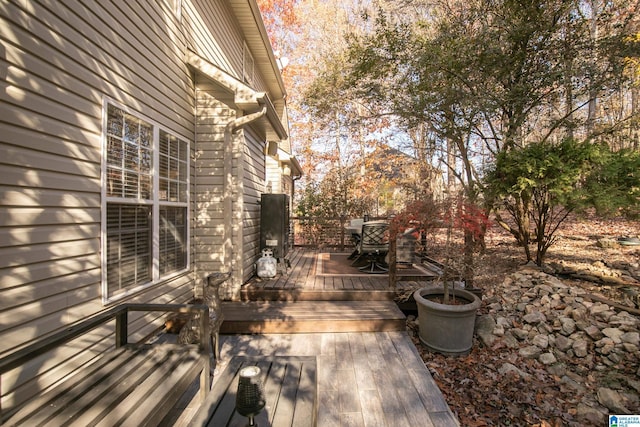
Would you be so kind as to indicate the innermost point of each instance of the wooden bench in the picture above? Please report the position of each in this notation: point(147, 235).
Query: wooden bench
point(290, 388)
point(131, 385)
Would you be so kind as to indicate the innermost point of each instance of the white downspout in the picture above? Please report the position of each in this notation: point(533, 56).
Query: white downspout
point(231, 187)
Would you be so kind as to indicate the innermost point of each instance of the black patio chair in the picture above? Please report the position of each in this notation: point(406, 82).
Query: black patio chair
point(374, 246)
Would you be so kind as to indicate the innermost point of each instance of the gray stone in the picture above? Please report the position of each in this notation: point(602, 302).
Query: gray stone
point(604, 342)
point(508, 368)
point(614, 333)
point(584, 324)
point(595, 416)
point(614, 358)
point(530, 352)
point(607, 362)
point(504, 322)
point(558, 369)
point(612, 400)
point(573, 384)
point(484, 328)
point(605, 345)
point(541, 341)
point(555, 282)
point(544, 290)
point(568, 325)
point(579, 313)
point(606, 316)
point(579, 336)
point(580, 348)
point(547, 314)
point(521, 307)
point(634, 384)
point(521, 334)
point(631, 338)
point(519, 277)
point(593, 332)
point(547, 359)
point(545, 328)
point(598, 308)
point(627, 325)
point(496, 306)
point(563, 343)
point(557, 304)
point(535, 317)
point(511, 341)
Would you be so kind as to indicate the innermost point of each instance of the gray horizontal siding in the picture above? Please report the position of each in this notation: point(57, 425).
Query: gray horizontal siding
point(75, 64)
point(226, 52)
point(58, 60)
point(254, 182)
point(212, 115)
point(209, 21)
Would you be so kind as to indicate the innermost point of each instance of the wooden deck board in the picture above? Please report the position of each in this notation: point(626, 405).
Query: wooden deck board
point(302, 276)
point(290, 388)
point(400, 391)
point(123, 387)
point(371, 407)
point(311, 316)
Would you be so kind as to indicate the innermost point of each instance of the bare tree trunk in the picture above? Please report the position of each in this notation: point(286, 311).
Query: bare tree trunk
point(392, 259)
point(469, 247)
point(568, 96)
point(635, 109)
point(451, 162)
point(593, 99)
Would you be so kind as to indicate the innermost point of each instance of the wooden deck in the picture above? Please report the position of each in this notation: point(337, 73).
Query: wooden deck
point(369, 373)
point(308, 299)
point(363, 378)
point(306, 280)
point(375, 379)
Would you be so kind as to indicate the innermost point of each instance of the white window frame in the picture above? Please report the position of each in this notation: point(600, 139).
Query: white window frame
point(155, 202)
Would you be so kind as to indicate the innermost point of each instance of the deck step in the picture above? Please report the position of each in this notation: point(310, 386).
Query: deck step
point(251, 293)
point(274, 317)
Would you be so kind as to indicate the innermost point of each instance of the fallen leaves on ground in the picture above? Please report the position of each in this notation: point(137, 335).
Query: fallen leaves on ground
point(472, 385)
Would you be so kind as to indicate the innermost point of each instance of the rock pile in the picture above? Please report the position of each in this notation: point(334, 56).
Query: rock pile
point(590, 348)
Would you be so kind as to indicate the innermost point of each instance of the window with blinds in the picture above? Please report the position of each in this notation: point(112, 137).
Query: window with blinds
point(146, 212)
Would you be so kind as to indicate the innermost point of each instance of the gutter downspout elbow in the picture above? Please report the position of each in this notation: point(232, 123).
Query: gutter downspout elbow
point(232, 187)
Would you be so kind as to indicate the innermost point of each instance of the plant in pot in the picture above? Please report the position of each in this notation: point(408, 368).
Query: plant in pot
point(446, 311)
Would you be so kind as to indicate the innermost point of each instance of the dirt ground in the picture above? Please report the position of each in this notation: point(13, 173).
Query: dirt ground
point(481, 398)
point(577, 248)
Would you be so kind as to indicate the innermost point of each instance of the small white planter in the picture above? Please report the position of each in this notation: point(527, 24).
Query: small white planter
point(446, 328)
